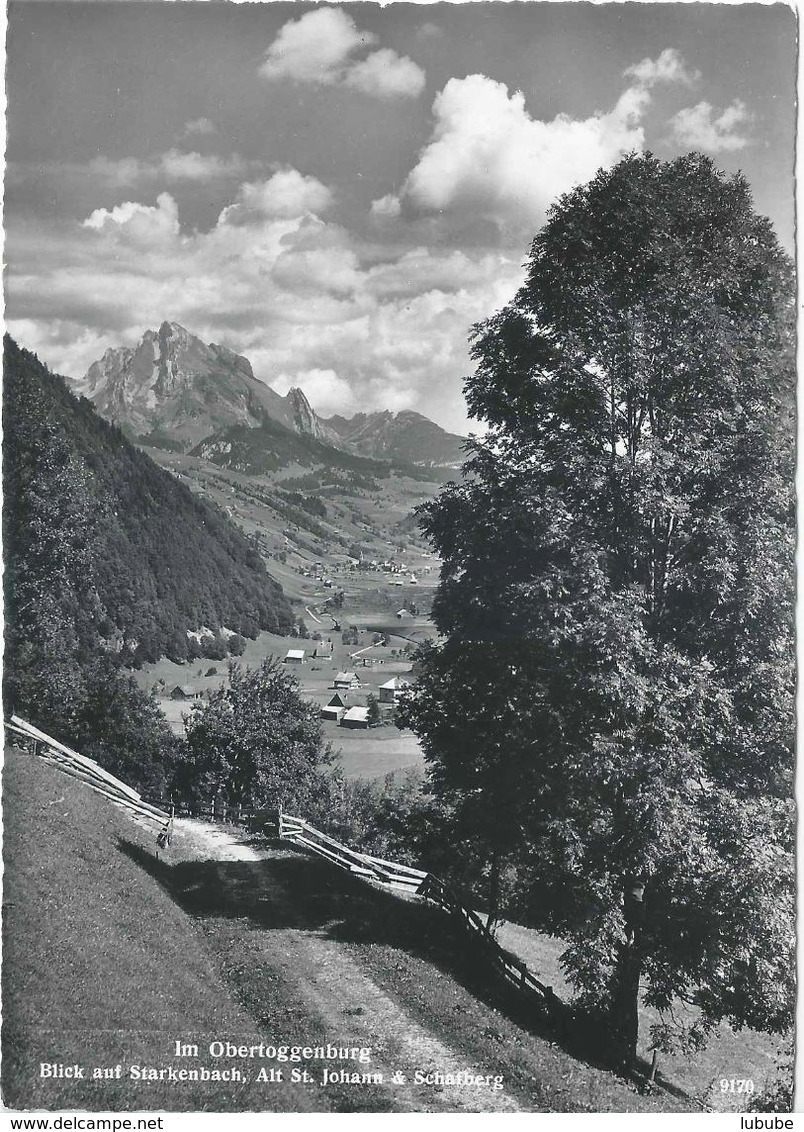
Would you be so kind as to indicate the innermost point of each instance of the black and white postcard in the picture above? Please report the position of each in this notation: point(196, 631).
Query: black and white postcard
point(399, 559)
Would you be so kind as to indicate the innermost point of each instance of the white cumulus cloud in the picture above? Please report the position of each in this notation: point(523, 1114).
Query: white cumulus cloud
point(387, 206)
point(173, 165)
point(669, 67)
point(140, 223)
point(288, 193)
point(702, 128)
point(385, 74)
point(320, 48)
point(200, 126)
point(489, 160)
point(324, 388)
point(177, 165)
point(314, 48)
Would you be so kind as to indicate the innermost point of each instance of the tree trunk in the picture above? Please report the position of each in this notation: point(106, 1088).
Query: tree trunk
point(625, 1002)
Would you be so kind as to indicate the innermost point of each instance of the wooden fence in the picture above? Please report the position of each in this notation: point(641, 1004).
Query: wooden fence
point(87, 771)
point(213, 810)
point(302, 833)
point(513, 969)
point(431, 888)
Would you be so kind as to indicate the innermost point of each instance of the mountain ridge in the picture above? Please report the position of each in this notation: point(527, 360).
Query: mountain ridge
point(174, 391)
point(404, 435)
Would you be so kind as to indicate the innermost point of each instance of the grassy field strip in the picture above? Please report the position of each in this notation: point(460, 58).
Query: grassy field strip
point(100, 967)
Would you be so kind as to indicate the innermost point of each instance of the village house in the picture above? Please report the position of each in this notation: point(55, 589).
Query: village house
point(391, 690)
point(323, 649)
point(184, 692)
point(356, 717)
point(346, 680)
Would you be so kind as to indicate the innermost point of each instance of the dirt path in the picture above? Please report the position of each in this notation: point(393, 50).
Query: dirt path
point(353, 1006)
point(223, 843)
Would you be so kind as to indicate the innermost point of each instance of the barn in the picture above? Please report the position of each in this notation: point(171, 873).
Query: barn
point(294, 656)
point(323, 649)
point(335, 708)
point(355, 717)
point(184, 692)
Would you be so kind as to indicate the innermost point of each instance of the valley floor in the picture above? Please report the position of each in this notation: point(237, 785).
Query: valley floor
point(372, 753)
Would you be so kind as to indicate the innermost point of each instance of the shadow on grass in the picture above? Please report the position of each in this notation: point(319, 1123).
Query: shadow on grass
point(305, 893)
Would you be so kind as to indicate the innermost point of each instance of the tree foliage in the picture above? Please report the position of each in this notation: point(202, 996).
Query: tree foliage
point(256, 741)
point(374, 715)
point(612, 709)
point(389, 818)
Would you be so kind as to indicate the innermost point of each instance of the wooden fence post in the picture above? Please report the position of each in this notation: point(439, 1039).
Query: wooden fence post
point(653, 1065)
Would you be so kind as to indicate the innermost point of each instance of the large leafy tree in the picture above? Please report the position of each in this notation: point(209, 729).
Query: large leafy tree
point(611, 712)
point(256, 741)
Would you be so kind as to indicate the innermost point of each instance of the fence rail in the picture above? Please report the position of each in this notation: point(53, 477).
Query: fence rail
point(513, 969)
point(430, 887)
point(300, 832)
point(86, 770)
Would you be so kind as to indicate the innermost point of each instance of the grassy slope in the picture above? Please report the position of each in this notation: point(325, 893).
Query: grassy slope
point(746, 1054)
point(368, 516)
point(100, 967)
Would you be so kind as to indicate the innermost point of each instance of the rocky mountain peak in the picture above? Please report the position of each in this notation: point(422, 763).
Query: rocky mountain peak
point(173, 389)
point(304, 418)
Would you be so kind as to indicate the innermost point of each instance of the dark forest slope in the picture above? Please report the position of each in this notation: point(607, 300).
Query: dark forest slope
point(129, 555)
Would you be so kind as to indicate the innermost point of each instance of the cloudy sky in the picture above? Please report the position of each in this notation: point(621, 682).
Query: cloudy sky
point(339, 193)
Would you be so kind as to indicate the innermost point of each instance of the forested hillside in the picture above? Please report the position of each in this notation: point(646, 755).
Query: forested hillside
point(110, 548)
